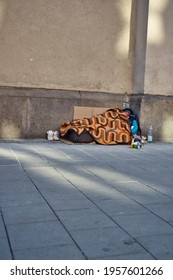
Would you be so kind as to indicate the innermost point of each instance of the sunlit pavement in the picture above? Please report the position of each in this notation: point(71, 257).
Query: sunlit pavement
point(62, 201)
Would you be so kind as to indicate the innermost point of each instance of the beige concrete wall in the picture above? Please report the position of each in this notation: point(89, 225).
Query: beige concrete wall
point(159, 62)
point(157, 105)
point(57, 54)
point(69, 44)
point(157, 110)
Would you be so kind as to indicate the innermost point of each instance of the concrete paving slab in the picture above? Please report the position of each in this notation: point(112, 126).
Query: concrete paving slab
point(108, 205)
point(104, 242)
point(74, 154)
point(18, 186)
point(2, 228)
point(126, 168)
point(20, 198)
point(158, 182)
point(5, 253)
point(35, 164)
point(61, 252)
point(74, 170)
point(65, 197)
point(104, 192)
point(15, 173)
point(123, 183)
point(48, 178)
point(142, 256)
point(141, 192)
point(28, 214)
point(53, 155)
point(143, 224)
point(68, 204)
point(162, 210)
point(7, 162)
point(115, 207)
point(27, 154)
point(16, 180)
point(89, 184)
point(161, 246)
point(84, 219)
point(107, 174)
point(5, 151)
point(36, 235)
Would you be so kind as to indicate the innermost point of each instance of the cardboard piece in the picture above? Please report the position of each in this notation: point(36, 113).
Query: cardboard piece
point(87, 112)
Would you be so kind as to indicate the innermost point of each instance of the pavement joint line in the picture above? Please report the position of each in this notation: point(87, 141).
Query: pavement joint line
point(136, 200)
point(111, 218)
point(113, 188)
point(74, 155)
point(55, 213)
point(94, 204)
point(7, 236)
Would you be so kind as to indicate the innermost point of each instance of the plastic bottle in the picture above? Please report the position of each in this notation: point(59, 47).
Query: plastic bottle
point(126, 103)
point(150, 134)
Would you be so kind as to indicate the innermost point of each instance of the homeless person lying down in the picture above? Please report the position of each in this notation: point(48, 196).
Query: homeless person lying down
point(114, 126)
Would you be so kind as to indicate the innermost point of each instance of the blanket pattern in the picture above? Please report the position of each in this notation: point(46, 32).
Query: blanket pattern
point(111, 127)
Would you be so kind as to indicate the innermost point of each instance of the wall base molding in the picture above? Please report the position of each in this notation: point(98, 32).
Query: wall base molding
point(28, 112)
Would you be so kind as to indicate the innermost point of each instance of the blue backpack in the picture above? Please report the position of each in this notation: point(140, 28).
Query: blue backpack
point(134, 122)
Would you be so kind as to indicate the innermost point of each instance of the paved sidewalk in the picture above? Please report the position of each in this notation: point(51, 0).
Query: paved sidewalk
point(60, 201)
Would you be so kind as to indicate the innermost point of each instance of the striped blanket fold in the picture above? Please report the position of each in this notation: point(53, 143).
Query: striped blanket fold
point(111, 127)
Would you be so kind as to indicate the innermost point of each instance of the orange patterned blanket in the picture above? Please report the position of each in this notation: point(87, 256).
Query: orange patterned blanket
point(111, 127)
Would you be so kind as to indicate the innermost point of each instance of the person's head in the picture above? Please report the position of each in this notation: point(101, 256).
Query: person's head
point(127, 113)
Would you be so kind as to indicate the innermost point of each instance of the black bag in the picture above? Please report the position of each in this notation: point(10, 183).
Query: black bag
point(84, 137)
